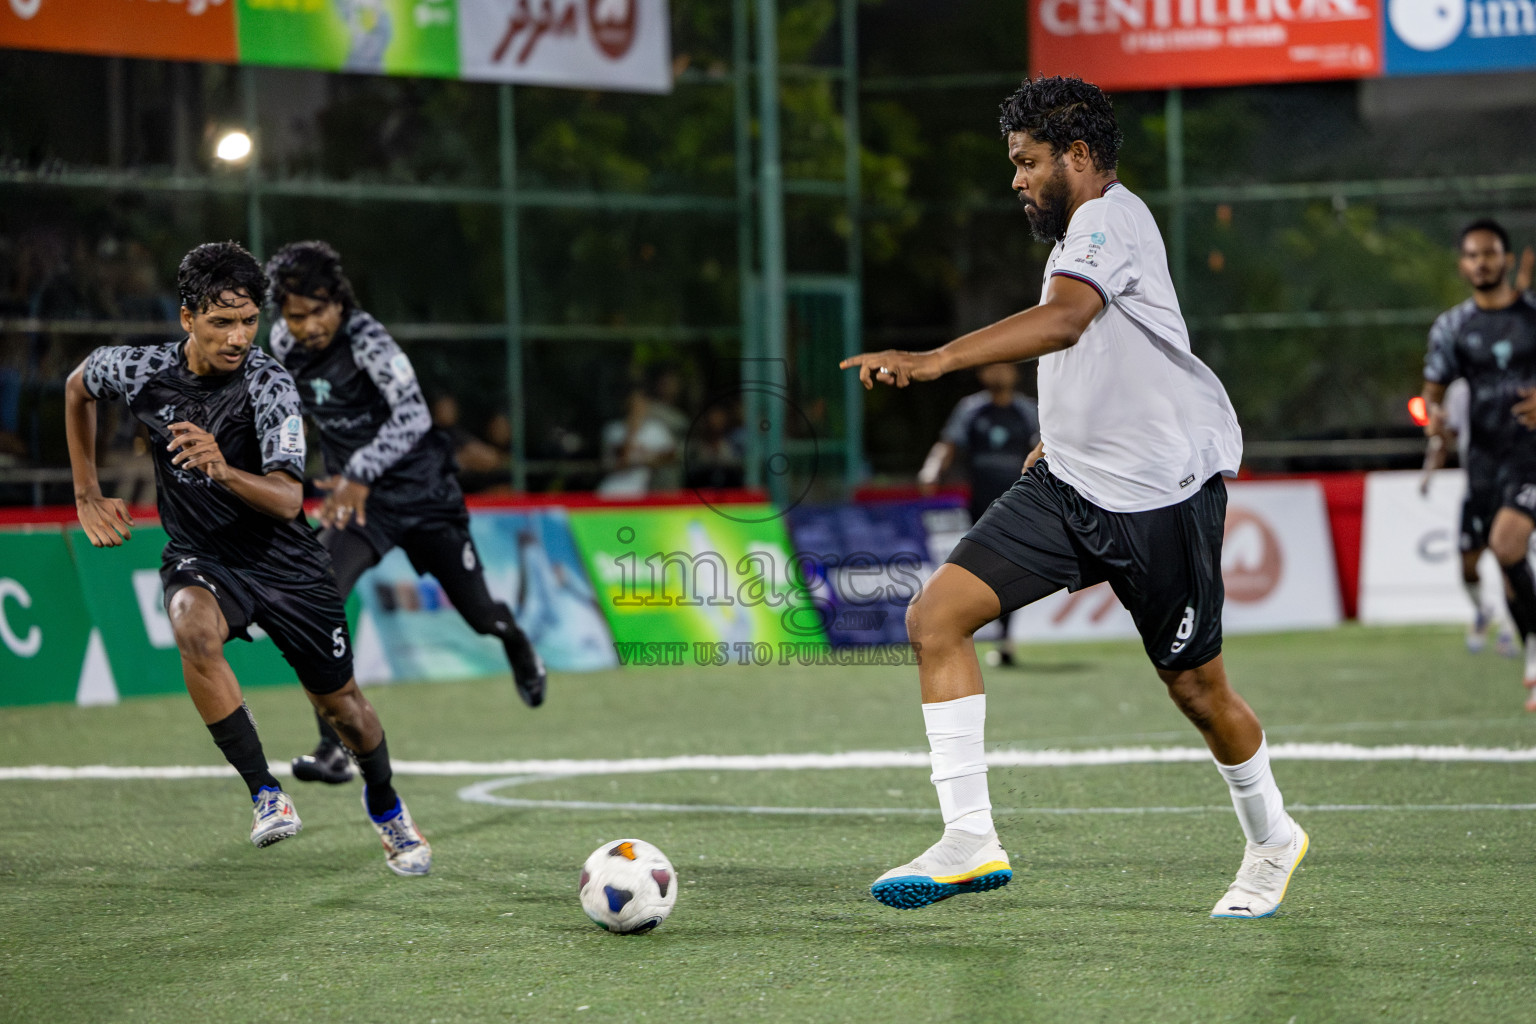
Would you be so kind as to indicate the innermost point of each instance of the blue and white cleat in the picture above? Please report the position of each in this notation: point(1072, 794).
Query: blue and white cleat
point(406, 850)
point(275, 817)
point(1262, 880)
point(960, 862)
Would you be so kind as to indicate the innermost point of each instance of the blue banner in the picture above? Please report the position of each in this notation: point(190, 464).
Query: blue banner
point(1449, 36)
point(864, 563)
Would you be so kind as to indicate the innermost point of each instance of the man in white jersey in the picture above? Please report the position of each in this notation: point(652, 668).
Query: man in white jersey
point(1125, 487)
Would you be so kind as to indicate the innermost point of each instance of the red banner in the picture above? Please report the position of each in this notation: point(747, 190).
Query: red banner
point(1123, 45)
point(168, 29)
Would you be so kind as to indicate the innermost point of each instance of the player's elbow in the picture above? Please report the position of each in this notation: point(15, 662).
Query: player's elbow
point(1064, 333)
point(289, 500)
point(75, 390)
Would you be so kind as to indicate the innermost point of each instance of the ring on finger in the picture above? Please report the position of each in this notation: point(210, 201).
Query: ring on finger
point(886, 370)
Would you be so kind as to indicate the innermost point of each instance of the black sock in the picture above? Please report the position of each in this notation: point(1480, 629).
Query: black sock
point(236, 737)
point(328, 736)
point(376, 775)
point(1522, 597)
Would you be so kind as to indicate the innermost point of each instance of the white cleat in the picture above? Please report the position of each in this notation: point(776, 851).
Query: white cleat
point(406, 850)
point(1262, 880)
point(960, 862)
point(275, 817)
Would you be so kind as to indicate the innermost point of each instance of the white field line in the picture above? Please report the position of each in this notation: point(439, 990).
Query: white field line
point(816, 762)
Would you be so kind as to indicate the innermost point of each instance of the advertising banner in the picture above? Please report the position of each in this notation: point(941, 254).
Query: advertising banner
point(1155, 44)
point(692, 585)
point(166, 29)
point(44, 628)
point(865, 563)
point(1442, 36)
point(622, 45)
point(1410, 560)
point(122, 593)
point(600, 44)
point(400, 37)
point(1276, 562)
point(530, 562)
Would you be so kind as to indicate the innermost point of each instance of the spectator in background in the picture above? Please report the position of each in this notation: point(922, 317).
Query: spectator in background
point(716, 452)
point(642, 452)
point(995, 429)
point(480, 464)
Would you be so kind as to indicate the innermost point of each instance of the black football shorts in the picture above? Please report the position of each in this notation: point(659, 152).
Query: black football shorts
point(302, 612)
point(1163, 564)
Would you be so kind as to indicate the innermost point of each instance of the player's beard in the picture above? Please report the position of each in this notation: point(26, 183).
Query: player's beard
point(1048, 212)
point(1488, 283)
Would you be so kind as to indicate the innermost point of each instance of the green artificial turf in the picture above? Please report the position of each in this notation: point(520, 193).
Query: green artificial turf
point(143, 900)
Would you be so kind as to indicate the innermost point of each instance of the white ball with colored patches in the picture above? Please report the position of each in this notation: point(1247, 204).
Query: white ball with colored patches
point(628, 886)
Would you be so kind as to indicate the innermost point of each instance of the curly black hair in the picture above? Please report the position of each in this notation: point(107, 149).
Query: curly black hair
point(1484, 224)
point(1061, 110)
point(214, 268)
point(311, 270)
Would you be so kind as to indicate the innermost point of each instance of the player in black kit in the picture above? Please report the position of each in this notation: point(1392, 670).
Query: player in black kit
point(228, 445)
point(1490, 340)
point(391, 479)
point(995, 429)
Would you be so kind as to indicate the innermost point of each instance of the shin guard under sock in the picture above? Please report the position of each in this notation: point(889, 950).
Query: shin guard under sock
point(236, 738)
point(376, 772)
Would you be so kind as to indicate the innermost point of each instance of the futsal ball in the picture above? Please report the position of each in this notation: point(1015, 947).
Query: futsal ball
point(628, 886)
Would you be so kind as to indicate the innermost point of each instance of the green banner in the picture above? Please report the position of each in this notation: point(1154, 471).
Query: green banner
point(692, 586)
point(402, 37)
point(44, 628)
point(123, 596)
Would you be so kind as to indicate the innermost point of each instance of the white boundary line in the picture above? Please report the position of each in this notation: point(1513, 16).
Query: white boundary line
point(816, 762)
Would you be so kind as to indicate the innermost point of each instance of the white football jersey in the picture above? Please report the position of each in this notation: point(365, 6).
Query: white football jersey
point(1130, 418)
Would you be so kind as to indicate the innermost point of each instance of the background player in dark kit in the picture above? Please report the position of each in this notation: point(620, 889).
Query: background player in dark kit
point(228, 445)
point(1490, 340)
point(391, 479)
point(994, 431)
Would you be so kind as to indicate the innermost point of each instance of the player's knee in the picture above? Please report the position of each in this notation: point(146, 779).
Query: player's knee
point(1507, 549)
point(198, 632)
point(932, 625)
point(1192, 695)
point(198, 640)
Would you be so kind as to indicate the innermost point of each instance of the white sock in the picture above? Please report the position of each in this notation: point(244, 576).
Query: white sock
point(1475, 595)
point(955, 736)
point(1257, 800)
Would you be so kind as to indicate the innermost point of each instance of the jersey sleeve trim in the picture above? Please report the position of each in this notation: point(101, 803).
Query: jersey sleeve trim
point(1103, 295)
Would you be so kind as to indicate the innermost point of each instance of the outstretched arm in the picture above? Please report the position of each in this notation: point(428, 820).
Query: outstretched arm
point(1056, 324)
point(106, 521)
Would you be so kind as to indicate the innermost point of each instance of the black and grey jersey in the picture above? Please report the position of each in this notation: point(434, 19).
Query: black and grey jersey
point(1495, 351)
point(995, 440)
point(253, 414)
point(361, 393)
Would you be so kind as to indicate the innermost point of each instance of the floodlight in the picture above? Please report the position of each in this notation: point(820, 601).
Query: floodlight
point(233, 147)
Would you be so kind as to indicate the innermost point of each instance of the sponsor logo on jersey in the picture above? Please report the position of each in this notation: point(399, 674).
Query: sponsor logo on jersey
point(400, 366)
point(322, 390)
point(292, 442)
